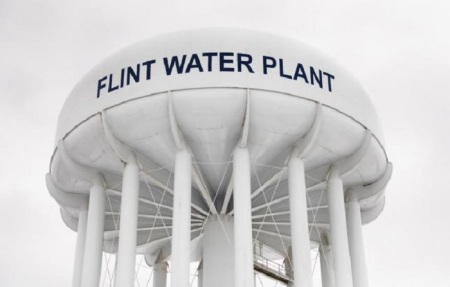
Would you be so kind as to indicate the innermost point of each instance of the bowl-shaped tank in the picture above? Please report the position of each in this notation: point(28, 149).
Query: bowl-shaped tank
point(212, 90)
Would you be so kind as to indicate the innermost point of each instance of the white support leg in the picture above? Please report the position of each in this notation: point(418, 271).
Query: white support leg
point(326, 268)
point(160, 274)
point(301, 249)
point(181, 231)
point(243, 252)
point(81, 239)
point(338, 232)
point(356, 244)
point(128, 224)
point(92, 259)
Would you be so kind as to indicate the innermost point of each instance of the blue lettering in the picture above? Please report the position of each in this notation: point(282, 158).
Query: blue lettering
point(111, 88)
point(244, 60)
point(330, 77)
point(100, 85)
point(208, 61)
point(300, 73)
point(194, 63)
point(316, 78)
point(149, 64)
point(122, 77)
point(224, 61)
point(209, 56)
point(282, 74)
point(267, 65)
point(179, 66)
point(133, 74)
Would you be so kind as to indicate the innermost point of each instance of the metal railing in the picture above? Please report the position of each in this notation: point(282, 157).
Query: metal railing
point(271, 268)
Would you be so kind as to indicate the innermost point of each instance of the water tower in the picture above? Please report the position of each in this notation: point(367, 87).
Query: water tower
point(213, 146)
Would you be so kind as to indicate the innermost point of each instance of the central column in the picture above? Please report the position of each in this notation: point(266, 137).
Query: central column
point(218, 252)
point(301, 249)
point(126, 254)
point(181, 229)
point(243, 252)
point(338, 230)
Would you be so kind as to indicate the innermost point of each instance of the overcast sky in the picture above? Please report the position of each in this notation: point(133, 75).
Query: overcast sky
point(399, 50)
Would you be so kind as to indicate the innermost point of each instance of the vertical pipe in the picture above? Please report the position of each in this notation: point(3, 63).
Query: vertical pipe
point(160, 274)
point(128, 224)
point(81, 240)
point(181, 236)
point(243, 252)
point(338, 232)
point(92, 259)
point(356, 244)
point(326, 268)
point(301, 249)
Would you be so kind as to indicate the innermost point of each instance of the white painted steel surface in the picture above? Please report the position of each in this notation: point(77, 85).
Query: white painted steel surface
point(218, 252)
point(81, 240)
point(212, 128)
point(348, 96)
point(181, 220)
point(301, 249)
point(356, 243)
point(338, 231)
point(243, 248)
point(326, 264)
point(160, 274)
point(209, 113)
point(126, 255)
point(92, 258)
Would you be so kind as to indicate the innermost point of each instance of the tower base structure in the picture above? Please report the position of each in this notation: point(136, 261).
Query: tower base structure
point(218, 252)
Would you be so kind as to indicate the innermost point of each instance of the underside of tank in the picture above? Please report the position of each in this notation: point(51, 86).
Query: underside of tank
point(211, 122)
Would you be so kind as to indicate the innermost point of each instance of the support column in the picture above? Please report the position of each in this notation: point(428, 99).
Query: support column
point(81, 240)
point(128, 224)
point(218, 252)
point(243, 252)
point(160, 274)
point(356, 244)
point(326, 268)
point(338, 232)
point(92, 258)
point(301, 249)
point(181, 230)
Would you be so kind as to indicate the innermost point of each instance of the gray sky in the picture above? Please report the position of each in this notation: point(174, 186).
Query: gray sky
point(399, 50)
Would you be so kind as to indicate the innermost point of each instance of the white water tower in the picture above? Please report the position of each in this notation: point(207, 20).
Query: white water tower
point(218, 146)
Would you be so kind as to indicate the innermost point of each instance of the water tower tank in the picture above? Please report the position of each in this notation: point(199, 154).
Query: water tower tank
point(209, 144)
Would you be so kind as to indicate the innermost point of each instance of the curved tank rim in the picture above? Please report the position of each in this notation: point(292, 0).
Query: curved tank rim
point(253, 37)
